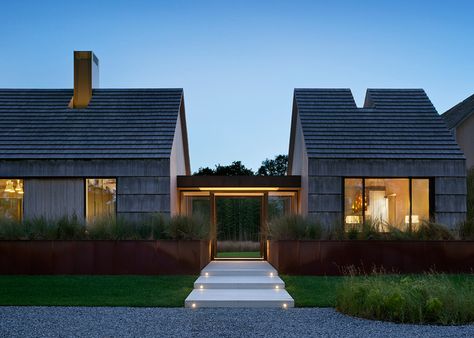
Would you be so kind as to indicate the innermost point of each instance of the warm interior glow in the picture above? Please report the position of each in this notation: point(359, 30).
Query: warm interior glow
point(238, 188)
point(353, 219)
point(285, 305)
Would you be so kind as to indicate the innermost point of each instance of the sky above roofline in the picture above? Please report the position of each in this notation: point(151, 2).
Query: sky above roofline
point(239, 62)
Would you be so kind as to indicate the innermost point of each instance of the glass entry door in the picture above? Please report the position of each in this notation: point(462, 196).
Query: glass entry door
point(238, 227)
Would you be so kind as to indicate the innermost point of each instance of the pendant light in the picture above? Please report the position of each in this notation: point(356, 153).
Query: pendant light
point(9, 186)
point(19, 187)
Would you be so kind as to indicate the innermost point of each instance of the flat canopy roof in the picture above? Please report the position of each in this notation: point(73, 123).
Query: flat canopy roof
point(239, 182)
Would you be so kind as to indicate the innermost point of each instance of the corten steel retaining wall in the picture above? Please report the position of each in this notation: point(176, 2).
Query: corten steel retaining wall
point(107, 257)
point(307, 257)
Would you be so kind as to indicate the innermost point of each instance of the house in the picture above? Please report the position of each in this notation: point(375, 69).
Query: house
point(95, 152)
point(460, 120)
point(89, 151)
point(393, 161)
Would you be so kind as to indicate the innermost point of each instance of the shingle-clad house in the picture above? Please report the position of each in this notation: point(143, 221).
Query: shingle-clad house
point(460, 120)
point(90, 151)
point(393, 161)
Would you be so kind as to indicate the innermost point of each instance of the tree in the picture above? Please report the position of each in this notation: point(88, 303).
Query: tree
point(275, 167)
point(234, 169)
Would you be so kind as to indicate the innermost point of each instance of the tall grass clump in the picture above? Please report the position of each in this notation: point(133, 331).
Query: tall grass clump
point(187, 227)
point(422, 299)
point(11, 229)
point(294, 227)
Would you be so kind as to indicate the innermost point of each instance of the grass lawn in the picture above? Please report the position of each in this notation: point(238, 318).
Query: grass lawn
point(320, 291)
point(164, 291)
point(312, 291)
point(239, 254)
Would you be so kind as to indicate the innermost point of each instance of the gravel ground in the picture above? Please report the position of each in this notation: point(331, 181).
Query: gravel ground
point(180, 322)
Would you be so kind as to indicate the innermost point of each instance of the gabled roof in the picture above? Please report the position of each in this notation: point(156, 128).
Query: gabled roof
point(393, 124)
point(117, 124)
point(459, 113)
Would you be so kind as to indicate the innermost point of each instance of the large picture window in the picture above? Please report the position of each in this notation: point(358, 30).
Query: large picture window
point(11, 199)
point(101, 198)
point(386, 202)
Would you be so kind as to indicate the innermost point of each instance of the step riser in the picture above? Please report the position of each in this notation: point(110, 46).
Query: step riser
point(241, 304)
point(238, 273)
point(238, 286)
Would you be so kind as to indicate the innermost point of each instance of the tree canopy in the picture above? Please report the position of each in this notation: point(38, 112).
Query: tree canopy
point(269, 167)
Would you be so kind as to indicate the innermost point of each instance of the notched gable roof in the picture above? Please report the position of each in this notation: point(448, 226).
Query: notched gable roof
point(393, 124)
point(117, 124)
point(459, 113)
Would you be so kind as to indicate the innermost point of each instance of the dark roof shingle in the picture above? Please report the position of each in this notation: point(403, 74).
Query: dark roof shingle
point(393, 124)
point(118, 123)
point(459, 113)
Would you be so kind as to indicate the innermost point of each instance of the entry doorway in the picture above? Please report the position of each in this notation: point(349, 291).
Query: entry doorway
point(239, 231)
point(238, 217)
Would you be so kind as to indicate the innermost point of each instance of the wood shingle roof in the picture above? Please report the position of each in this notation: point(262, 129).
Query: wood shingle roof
point(459, 113)
point(393, 124)
point(118, 123)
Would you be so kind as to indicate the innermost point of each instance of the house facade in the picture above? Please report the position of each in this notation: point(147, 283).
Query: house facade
point(95, 152)
point(460, 120)
point(392, 162)
point(91, 152)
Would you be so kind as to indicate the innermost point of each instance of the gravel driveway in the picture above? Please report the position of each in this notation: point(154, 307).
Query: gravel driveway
point(178, 322)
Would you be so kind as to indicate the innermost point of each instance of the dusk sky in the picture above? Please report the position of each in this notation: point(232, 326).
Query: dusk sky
point(239, 61)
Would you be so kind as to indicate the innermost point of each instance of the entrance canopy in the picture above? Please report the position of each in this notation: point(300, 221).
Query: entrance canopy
point(238, 208)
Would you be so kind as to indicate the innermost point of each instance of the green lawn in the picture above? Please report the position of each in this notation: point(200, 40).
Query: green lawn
point(314, 291)
point(239, 254)
point(164, 291)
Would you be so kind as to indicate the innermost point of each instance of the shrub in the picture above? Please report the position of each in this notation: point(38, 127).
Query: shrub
point(432, 231)
point(431, 298)
point(466, 230)
point(68, 228)
point(187, 227)
point(294, 227)
point(11, 229)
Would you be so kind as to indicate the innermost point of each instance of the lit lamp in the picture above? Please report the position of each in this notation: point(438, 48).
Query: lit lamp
point(19, 187)
point(9, 186)
point(415, 219)
point(351, 219)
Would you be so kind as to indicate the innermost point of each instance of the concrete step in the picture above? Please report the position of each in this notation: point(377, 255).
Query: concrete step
point(239, 282)
point(239, 298)
point(239, 268)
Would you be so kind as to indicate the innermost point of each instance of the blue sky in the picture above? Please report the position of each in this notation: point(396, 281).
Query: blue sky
point(239, 61)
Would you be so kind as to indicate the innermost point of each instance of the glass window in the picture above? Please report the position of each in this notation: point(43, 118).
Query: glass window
point(280, 204)
point(11, 199)
point(353, 202)
point(196, 204)
point(100, 197)
point(420, 201)
point(388, 202)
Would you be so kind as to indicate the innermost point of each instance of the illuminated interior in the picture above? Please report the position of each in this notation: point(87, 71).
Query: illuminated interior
point(101, 198)
point(386, 202)
point(11, 198)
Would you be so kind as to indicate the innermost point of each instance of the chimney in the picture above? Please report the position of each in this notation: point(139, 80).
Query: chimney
point(86, 78)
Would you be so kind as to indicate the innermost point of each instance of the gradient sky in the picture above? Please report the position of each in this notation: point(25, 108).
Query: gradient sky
point(239, 61)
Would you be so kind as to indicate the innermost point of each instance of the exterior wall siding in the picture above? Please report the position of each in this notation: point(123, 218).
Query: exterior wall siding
point(143, 186)
point(326, 176)
point(464, 134)
point(177, 166)
point(300, 167)
point(53, 198)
